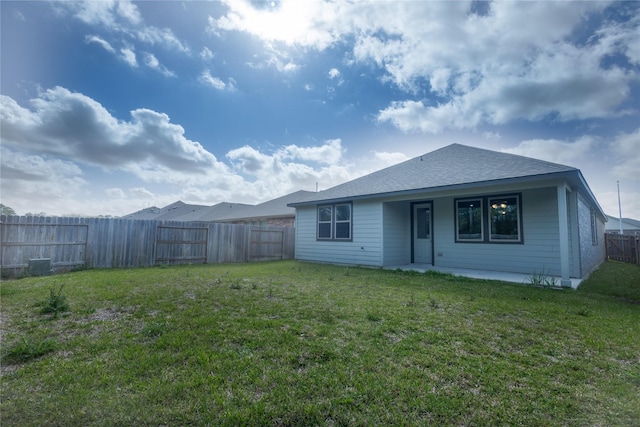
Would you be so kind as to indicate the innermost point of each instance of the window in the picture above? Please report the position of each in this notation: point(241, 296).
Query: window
point(594, 228)
point(469, 220)
point(325, 221)
point(423, 223)
point(334, 222)
point(504, 219)
point(502, 224)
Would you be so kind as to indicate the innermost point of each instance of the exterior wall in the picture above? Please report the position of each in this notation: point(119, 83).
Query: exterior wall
point(538, 254)
point(364, 249)
point(396, 227)
point(591, 255)
point(382, 236)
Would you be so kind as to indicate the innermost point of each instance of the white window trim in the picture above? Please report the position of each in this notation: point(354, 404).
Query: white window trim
point(334, 223)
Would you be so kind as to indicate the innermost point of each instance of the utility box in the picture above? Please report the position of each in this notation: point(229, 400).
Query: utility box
point(40, 267)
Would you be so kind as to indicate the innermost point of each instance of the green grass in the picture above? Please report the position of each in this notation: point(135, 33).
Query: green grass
point(295, 344)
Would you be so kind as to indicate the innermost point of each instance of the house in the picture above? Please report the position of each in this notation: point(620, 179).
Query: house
point(170, 212)
point(629, 226)
point(273, 212)
point(459, 207)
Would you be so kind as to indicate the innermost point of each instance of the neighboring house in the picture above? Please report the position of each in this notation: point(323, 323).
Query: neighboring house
point(273, 212)
point(459, 207)
point(170, 212)
point(629, 226)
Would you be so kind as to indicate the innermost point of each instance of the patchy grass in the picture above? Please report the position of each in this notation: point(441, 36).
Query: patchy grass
point(290, 343)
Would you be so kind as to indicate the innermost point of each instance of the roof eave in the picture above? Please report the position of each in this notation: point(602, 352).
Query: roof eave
point(470, 185)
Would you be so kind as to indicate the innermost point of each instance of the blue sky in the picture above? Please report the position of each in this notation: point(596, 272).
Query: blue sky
point(111, 107)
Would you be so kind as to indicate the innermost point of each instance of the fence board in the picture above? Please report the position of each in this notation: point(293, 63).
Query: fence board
point(625, 248)
point(116, 243)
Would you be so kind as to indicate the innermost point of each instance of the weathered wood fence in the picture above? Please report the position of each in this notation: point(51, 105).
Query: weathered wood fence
point(623, 248)
point(113, 243)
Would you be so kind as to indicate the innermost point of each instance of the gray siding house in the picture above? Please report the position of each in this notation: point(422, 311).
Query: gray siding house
point(459, 207)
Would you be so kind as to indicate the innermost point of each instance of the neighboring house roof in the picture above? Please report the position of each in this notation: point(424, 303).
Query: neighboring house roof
point(147, 213)
point(452, 166)
point(225, 211)
point(271, 209)
point(627, 223)
point(215, 212)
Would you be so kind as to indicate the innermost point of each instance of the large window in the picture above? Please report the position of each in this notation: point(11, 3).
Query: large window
point(469, 220)
point(499, 222)
point(504, 219)
point(334, 222)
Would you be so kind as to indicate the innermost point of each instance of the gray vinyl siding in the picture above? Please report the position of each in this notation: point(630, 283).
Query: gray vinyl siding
point(364, 249)
point(397, 233)
point(539, 253)
point(591, 256)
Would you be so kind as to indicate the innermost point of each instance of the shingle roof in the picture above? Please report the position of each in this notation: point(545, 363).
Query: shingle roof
point(452, 165)
point(172, 211)
point(215, 212)
point(272, 208)
point(225, 211)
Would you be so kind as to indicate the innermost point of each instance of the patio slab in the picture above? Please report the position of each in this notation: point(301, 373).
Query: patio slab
point(477, 274)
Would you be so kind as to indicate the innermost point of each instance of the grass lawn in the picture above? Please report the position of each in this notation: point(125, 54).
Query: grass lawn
point(289, 343)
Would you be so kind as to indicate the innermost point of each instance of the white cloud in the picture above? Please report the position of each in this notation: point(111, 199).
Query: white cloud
point(489, 68)
point(30, 181)
point(626, 148)
point(121, 17)
point(206, 54)
point(75, 127)
point(215, 82)
point(129, 56)
point(151, 61)
point(146, 160)
point(293, 22)
point(100, 41)
point(386, 159)
point(334, 73)
point(115, 193)
point(554, 150)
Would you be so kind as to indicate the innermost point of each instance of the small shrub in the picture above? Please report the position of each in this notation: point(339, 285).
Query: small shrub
point(56, 303)
point(543, 279)
point(154, 329)
point(27, 349)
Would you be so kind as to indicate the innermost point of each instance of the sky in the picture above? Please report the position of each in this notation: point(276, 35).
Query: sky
point(111, 107)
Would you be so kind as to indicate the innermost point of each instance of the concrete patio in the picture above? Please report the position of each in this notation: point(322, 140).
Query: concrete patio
point(478, 274)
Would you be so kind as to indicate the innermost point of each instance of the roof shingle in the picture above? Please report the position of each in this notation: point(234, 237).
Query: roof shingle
point(452, 165)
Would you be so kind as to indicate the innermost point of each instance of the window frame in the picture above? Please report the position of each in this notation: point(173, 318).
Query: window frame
point(457, 219)
point(518, 218)
point(334, 222)
point(485, 221)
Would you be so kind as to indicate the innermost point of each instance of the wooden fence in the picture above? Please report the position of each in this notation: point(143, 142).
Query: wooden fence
point(112, 243)
point(623, 248)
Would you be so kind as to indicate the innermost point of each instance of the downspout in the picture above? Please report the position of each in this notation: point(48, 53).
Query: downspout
point(565, 279)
